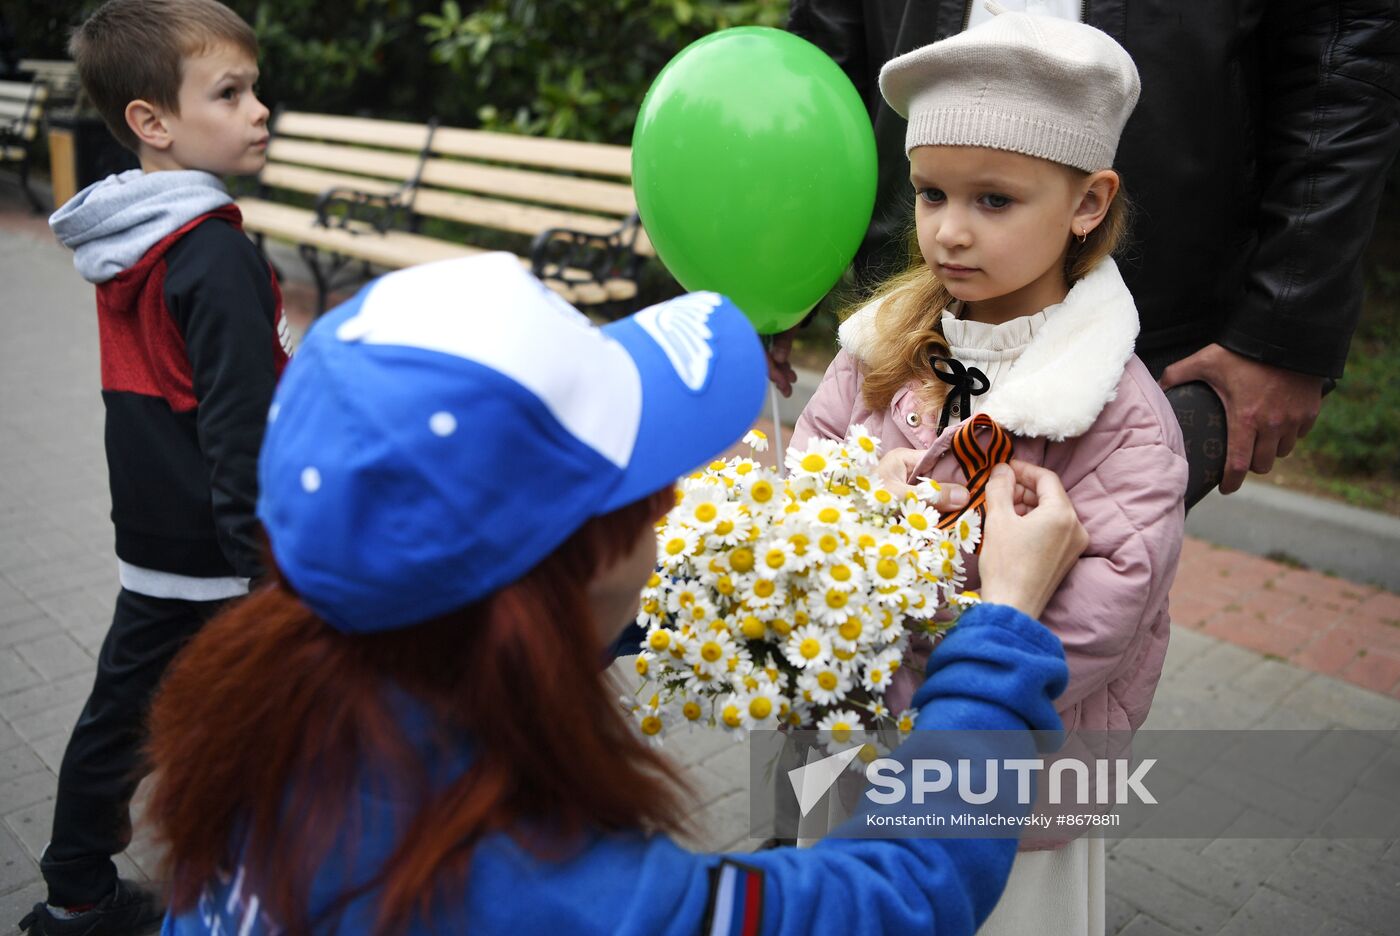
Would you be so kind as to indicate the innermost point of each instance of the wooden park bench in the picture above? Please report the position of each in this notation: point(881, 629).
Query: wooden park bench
point(354, 194)
point(21, 112)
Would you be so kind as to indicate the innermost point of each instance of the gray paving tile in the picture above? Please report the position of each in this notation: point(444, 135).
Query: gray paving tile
point(46, 695)
point(1219, 879)
point(16, 868)
point(1342, 883)
point(60, 718)
point(1269, 680)
point(26, 625)
point(1269, 912)
point(17, 903)
point(1343, 928)
point(51, 747)
point(31, 826)
point(15, 672)
point(55, 656)
point(16, 762)
point(1144, 925)
point(1118, 912)
point(1164, 899)
point(29, 789)
point(1321, 697)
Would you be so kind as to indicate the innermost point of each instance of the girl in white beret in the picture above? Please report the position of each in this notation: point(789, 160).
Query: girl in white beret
point(1014, 310)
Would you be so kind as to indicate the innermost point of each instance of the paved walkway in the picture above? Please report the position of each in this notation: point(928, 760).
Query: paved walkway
point(1262, 645)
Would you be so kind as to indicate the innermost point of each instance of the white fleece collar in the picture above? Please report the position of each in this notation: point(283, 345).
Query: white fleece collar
point(1068, 373)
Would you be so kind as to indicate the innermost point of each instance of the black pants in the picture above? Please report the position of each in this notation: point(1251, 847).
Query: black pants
point(103, 763)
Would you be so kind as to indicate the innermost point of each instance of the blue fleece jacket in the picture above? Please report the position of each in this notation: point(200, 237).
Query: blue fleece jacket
point(998, 670)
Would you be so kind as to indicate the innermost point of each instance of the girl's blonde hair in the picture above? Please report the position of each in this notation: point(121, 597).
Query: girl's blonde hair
point(907, 325)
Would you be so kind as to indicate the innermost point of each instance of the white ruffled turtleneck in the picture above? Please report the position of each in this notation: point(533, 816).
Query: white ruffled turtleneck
point(992, 349)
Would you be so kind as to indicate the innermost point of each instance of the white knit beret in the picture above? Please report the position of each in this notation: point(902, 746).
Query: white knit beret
point(1030, 84)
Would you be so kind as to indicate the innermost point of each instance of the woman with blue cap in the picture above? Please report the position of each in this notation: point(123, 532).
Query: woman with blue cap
point(408, 730)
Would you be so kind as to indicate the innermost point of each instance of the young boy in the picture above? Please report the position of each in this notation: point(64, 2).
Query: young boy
point(193, 341)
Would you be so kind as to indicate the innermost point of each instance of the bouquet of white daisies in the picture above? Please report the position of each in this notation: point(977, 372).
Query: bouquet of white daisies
point(788, 602)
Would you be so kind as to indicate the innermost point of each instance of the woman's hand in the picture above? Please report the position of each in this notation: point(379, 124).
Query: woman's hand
point(1025, 557)
point(894, 469)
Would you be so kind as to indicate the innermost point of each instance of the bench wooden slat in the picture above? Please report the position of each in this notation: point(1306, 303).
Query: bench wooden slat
point(512, 216)
point(21, 90)
point(14, 109)
point(542, 187)
point(397, 249)
point(386, 133)
point(568, 155)
point(315, 181)
point(396, 166)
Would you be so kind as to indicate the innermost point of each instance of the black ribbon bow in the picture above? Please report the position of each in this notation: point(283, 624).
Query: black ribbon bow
point(964, 384)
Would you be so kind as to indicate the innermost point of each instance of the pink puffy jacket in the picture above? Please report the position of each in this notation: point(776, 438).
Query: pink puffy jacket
point(1080, 403)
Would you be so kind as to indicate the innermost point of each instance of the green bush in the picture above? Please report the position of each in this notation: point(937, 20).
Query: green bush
point(1358, 430)
point(573, 68)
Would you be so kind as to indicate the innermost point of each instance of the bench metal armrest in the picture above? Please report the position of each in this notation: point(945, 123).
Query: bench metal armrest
point(344, 208)
point(558, 251)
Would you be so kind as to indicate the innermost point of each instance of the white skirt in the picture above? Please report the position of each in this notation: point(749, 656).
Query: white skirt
point(1057, 892)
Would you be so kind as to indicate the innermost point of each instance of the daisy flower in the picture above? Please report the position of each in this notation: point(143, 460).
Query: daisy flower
point(968, 530)
point(699, 508)
point(756, 440)
point(853, 633)
point(659, 639)
point(818, 460)
point(927, 490)
point(691, 710)
point(731, 527)
point(807, 646)
point(652, 717)
point(760, 495)
point(828, 510)
point(709, 652)
point(775, 557)
point(730, 713)
point(684, 593)
point(877, 674)
point(837, 730)
point(859, 439)
point(920, 518)
point(825, 684)
point(761, 707)
point(763, 593)
point(842, 575)
point(905, 721)
point(831, 606)
point(675, 546)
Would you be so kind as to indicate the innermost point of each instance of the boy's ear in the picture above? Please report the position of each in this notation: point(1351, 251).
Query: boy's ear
point(1101, 189)
point(147, 121)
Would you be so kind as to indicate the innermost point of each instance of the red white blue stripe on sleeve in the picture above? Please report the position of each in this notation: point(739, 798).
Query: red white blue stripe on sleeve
point(736, 900)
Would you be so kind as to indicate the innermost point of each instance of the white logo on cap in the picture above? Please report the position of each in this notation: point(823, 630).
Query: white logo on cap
point(680, 328)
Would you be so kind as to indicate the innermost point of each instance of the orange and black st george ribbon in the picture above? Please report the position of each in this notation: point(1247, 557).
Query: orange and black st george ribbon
point(977, 461)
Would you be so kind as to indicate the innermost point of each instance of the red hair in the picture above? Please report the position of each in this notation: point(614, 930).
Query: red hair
point(271, 713)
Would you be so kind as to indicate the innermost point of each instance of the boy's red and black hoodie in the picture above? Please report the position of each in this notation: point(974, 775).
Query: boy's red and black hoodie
point(192, 344)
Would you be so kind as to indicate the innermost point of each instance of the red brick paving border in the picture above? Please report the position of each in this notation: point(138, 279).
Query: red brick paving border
point(1320, 623)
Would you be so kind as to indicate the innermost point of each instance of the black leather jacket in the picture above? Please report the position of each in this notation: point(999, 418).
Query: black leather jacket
point(1255, 158)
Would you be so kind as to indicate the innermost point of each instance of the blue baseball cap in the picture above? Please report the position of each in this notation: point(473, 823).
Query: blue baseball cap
point(445, 430)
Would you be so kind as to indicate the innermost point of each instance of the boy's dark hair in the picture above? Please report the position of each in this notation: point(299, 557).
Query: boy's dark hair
point(135, 50)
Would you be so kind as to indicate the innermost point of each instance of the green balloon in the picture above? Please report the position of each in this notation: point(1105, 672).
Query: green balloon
point(753, 161)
